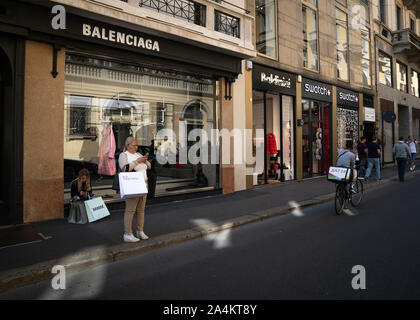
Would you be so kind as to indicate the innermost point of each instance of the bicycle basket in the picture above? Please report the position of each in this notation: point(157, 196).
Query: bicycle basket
point(339, 174)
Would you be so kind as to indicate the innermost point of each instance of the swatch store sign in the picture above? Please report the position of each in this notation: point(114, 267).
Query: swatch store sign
point(316, 90)
point(347, 98)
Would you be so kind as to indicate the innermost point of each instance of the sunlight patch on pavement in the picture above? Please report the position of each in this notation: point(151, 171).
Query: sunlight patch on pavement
point(79, 285)
point(221, 239)
point(296, 209)
point(350, 212)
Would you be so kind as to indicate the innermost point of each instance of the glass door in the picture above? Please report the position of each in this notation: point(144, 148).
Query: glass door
point(316, 138)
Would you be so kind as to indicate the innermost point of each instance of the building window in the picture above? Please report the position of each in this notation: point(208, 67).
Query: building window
point(399, 18)
point(382, 10)
point(226, 24)
point(402, 77)
point(190, 11)
point(366, 62)
point(79, 114)
point(414, 83)
point(310, 35)
point(342, 45)
point(266, 31)
point(412, 25)
point(385, 69)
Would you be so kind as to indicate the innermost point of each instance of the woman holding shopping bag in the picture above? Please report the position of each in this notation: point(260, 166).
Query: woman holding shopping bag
point(131, 160)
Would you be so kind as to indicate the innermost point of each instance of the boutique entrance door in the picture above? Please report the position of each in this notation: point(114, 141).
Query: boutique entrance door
point(274, 149)
point(316, 138)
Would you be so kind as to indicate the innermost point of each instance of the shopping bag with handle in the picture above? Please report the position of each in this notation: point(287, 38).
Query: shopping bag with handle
point(96, 209)
point(132, 185)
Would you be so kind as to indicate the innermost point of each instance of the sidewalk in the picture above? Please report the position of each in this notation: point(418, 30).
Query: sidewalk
point(81, 246)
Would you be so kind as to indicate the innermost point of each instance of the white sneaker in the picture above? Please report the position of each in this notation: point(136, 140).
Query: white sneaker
point(142, 235)
point(130, 238)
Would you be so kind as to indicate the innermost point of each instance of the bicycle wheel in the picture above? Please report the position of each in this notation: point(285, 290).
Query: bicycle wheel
point(340, 198)
point(356, 193)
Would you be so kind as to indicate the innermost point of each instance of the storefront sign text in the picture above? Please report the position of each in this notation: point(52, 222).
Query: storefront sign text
point(120, 37)
point(348, 97)
point(317, 89)
point(276, 80)
point(370, 114)
point(273, 80)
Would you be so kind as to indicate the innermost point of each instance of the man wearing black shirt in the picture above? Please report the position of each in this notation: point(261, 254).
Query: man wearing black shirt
point(362, 152)
point(374, 152)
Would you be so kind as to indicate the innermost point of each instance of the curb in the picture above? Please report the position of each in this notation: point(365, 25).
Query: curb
point(91, 258)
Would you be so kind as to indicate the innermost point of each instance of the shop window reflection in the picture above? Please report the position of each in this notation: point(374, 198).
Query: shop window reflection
point(138, 101)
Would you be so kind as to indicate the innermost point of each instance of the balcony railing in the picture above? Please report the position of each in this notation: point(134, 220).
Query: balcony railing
point(187, 10)
point(227, 24)
point(407, 42)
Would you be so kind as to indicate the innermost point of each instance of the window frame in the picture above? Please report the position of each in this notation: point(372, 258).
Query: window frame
point(276, 58)
point(406, 75)
point(412, 23)
point(383, 11)
point(345, 26)
point(399, 17)
point(368, 39)
point(392, 69)
point(311, 6)
point(418, 83)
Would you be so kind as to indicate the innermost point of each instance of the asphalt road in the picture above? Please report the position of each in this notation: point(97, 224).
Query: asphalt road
point(308, 254)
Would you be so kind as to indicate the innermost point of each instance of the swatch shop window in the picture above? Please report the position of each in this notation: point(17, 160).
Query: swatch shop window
point(107, 101)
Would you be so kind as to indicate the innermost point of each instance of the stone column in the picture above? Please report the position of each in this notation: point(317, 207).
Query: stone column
point(43, 163)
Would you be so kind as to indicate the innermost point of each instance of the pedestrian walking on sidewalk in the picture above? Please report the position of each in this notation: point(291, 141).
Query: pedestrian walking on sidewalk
point(401, 152)
point(128, 161)
point(362, 153)
point(412, 143)
point(374, 152)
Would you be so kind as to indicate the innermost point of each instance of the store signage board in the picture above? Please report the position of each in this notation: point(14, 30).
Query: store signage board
point(370, 115)
point(98, 34)
point(124, 38)
point(268, 79)
point(347, 98)
point(316, 90)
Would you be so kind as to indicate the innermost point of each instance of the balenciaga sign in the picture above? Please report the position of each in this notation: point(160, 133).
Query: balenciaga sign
point(268, 79)
point(316, 90)
point(128, 39)
point(347, 98)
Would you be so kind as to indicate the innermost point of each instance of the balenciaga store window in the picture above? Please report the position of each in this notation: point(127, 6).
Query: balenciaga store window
point(106, 101)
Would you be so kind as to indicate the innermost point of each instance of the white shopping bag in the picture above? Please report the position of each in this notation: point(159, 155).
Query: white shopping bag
point(96, 209)
point(132, 185)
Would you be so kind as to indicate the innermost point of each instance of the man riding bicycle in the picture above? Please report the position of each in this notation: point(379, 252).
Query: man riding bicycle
point(349, 189)
point(346, 158)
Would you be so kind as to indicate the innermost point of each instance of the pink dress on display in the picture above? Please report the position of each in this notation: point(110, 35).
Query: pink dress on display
point(107, 152)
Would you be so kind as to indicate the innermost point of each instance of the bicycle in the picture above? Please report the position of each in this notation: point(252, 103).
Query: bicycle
point(347, 190)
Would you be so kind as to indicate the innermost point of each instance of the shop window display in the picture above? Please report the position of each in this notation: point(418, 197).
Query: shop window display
point(107, 101)
point(315, 137)
point(277, 120)
point(347, 127)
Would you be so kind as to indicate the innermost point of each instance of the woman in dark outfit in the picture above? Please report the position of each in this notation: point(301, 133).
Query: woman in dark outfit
point(81, 186)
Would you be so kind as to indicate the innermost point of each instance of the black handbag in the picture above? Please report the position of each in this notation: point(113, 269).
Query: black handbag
point(116, 181)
